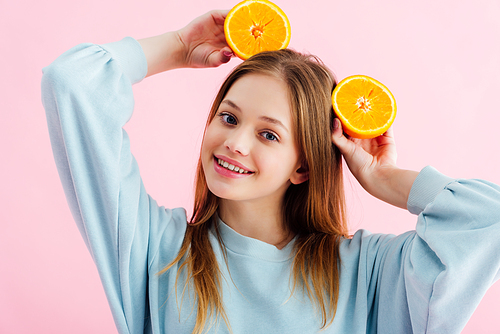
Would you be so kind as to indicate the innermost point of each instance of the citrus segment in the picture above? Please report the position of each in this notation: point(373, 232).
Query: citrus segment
point(365, 106)
point(253, 26)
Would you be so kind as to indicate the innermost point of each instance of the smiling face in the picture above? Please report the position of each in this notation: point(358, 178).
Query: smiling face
point(249, 152)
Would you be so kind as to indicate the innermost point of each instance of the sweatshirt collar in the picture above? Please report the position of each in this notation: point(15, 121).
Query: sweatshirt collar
point(240, 244)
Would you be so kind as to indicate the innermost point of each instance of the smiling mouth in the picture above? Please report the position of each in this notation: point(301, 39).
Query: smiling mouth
point(231, 167)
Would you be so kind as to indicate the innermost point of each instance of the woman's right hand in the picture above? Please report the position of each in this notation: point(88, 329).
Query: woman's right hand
point(204, 41)
point(199, 44)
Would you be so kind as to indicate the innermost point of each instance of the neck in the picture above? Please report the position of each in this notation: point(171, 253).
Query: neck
point(259, 220)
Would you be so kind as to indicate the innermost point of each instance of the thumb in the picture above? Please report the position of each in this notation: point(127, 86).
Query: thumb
point(220, 57)
point(345, 145)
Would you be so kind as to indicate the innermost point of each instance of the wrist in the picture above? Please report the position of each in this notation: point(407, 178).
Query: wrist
point(163, 52)
point(393, 185)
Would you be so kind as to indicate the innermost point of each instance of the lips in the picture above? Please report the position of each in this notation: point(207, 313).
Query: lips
point(230, 168)
point(232, 165)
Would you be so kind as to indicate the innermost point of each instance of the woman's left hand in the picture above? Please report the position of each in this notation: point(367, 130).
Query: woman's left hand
point(373, 164)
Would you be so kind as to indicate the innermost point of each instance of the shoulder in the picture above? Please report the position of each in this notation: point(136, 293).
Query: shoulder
point(366, 246)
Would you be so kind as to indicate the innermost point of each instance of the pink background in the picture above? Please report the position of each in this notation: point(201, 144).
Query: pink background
point(441, 59)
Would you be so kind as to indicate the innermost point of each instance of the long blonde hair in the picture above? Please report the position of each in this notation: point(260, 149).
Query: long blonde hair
point(313, 210)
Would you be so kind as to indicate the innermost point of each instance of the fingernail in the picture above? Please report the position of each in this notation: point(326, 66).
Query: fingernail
point(228, 54)
point(336, 123)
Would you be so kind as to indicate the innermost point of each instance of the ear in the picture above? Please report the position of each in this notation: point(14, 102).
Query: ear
point(301, 174)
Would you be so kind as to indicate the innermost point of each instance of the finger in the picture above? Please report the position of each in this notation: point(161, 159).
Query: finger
point(390, 133)
point(227, 52)
point(387, 137)
point(345, 145)
point(220, 57)
point(226, 55)
point(219, 15)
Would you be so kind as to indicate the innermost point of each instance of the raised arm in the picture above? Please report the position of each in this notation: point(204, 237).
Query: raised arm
point(373, 163)
point(431, 279)
point(199, 44)
point(88, 98)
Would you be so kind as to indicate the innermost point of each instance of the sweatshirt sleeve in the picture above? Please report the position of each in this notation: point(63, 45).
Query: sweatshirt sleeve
point(432, 280)
point(88, 98)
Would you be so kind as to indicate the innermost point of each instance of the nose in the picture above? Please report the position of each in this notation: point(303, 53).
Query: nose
point(238, 142)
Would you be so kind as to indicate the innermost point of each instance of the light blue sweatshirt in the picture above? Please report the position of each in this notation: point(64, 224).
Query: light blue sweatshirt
point(425, 281)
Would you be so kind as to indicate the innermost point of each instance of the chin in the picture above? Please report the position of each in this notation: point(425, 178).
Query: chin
point(220, 192)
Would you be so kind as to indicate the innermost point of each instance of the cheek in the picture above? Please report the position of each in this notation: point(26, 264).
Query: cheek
point(205, 150)
point(278, 164)
point(208, 138)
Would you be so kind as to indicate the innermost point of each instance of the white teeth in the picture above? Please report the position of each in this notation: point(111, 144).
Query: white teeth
point(229, 166)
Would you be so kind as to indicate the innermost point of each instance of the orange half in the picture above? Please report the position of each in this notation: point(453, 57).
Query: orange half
point(365, 106)
point(253, 26)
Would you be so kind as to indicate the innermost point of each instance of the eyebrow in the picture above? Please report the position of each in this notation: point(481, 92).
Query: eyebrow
point(263, 118)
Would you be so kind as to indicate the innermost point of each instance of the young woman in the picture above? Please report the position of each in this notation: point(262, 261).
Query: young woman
point(267, 249)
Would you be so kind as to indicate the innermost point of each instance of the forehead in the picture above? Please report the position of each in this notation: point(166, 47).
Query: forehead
point(261, 95)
